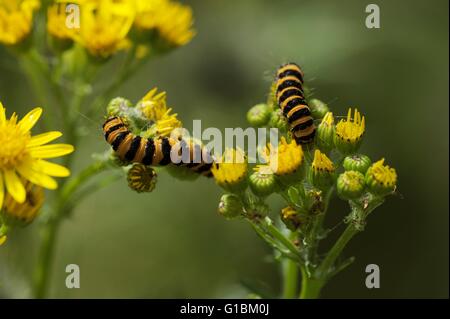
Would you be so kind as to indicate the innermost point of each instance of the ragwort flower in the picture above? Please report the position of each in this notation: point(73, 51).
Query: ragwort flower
point(22, 156)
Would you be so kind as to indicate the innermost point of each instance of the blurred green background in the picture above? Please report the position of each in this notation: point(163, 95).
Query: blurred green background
point(172, 243)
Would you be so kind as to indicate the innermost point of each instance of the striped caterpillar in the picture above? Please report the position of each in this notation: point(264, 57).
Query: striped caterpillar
point(154, 151)
point(291, 100)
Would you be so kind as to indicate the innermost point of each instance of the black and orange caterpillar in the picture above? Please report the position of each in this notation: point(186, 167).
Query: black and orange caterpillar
point(291, 99)
point(133, 148)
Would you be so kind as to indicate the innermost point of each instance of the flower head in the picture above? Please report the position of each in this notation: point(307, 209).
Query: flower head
point(357, 162)
point(16, 20)
point(381, 179)
point(27, 211)
point(22, 156)
point(231, 171)
point(326, 132)
point(350, 185)
point(349, 132)
point(171, 20)
point(154, 107)
point(141, 178)
point(322, 170)
point(56, 22)
point(104, 26)
point(286, 158)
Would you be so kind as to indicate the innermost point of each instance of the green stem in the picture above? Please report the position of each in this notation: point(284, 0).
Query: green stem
point(311, 287)
point(290, 276)
point(50, 231)
point(336, 250)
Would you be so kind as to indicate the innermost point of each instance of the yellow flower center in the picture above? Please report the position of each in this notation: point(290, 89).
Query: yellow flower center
point(232, 169)
point(321, 162)
point(383, 173)
point(13, 141)
point(351, 129)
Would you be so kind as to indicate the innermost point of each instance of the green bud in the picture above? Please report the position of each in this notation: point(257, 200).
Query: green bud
point(259, 115)
point(141, 178)
point(277, 120)
point(350, 185)
point(262, 183)
point(357, 162)
point(381, 179)
point(118, 106)
point(230, 206)
point(325, 133)
point(318, 108)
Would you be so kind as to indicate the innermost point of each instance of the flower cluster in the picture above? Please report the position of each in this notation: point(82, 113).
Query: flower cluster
point(24, 169)
point(102, 27)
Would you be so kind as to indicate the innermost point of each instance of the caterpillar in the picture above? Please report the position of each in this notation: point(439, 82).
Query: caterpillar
point(133, 148)
point(291, 100)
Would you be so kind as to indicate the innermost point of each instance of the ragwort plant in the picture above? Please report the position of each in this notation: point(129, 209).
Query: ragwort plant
point(64, 48)
point(63, 65)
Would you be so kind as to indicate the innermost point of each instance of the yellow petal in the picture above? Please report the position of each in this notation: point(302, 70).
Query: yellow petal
point(2, 114)
point(51, 151)
point(51, 169)
point(14, 186)
point(2, 190)
point(37, 177)
point(43, 138)
point(30, 119)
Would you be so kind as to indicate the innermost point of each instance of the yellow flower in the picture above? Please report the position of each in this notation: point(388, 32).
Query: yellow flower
point(231, 171)
point(154, 107)
point(16, 20)
point(27, 211)
point(321, 162)
point(286, 158)
point(322, 170)
point(24, 155)
point(349, 132)
point(381, 179)
point(104, 25)
point(172, 20)
point(56, 22)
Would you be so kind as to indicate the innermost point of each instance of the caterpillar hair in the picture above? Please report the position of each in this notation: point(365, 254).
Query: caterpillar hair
point(153, 151)
point(291, 99)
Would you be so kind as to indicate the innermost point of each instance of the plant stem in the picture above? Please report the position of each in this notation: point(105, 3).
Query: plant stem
point(290, 271)
point(311, 287)
point(50, 232)
point(336, 250)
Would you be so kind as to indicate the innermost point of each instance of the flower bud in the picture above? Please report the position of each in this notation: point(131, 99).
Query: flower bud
point(318, 108)
point(22, 214)
point(118, 106)
point(322, 171)
point(350, 185)
point(230, 206)
point(259, 115)
point(262, 182)
point(381, 179)
point(292, 218)
point(277, 120)
point(357, 162)
point(325, 133)
point(349, 133)
point(141, 178)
